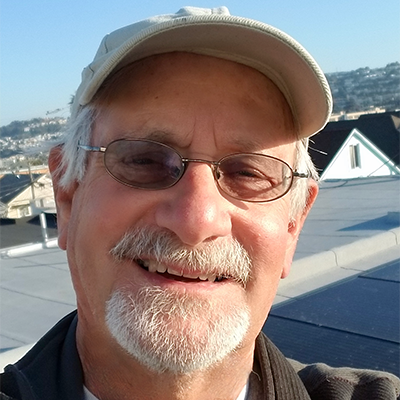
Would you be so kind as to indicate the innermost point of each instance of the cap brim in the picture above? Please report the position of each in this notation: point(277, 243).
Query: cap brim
point(260, 46)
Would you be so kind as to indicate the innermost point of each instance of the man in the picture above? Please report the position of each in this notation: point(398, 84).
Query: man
point(181, 190)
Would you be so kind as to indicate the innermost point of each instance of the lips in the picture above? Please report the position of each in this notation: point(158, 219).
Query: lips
point(159, 268)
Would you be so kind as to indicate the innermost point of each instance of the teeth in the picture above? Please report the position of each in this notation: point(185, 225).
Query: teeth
point(161, 268)
point(154, 266)
point(190, 276)
point(173, 272)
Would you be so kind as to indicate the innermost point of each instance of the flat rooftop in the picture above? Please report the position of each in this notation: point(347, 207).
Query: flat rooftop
point(350, 210)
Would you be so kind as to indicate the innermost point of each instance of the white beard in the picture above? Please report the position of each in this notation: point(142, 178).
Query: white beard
point(165, 331)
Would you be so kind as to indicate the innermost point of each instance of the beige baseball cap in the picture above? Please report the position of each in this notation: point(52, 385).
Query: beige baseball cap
point(214, 32)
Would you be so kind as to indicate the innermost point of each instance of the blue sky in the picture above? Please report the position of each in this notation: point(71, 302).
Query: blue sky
point(45, 44)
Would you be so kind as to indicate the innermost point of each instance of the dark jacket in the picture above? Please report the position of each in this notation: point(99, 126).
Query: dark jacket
point(52, 371)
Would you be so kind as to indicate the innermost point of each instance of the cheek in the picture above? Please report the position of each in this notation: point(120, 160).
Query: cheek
point(265, 235)
point(106, 210)
point(87, 251)
point(266, 242)
point(269, 250)
point(102, 213)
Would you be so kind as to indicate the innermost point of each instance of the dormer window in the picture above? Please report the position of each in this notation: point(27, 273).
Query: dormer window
point(355, 159)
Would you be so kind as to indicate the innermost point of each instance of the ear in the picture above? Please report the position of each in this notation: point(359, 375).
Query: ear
point(63, 197)
point(295, 226)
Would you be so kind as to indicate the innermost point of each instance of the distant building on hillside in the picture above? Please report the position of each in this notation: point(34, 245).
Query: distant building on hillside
point(368, 146)
point(344, 116)
point(24, 195)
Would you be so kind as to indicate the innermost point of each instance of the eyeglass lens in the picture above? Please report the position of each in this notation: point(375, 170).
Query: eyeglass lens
point(143, 164)
point(152, 165)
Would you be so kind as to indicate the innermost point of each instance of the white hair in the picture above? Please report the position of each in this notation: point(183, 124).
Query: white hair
point(300, 189)
point(73, 162)
point(179, 334)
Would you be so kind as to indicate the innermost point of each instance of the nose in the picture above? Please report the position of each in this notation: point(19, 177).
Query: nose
point(194, 209)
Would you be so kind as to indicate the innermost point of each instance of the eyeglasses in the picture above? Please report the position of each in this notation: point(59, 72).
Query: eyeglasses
point(150, 165)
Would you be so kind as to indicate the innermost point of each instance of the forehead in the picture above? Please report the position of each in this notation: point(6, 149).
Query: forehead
point(181, 89)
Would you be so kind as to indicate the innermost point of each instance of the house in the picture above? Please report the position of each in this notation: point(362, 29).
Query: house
point(368, 146)
point(25, 195)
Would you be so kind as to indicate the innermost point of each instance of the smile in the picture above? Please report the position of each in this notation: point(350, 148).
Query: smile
point(156, 267)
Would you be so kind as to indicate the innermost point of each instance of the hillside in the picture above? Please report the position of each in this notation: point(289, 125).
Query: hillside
point(365, 88)
point(32, 127)
point(28, 137)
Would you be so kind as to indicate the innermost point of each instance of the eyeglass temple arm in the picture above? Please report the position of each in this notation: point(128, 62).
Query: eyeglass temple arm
point(301, 174)
point(91, 148)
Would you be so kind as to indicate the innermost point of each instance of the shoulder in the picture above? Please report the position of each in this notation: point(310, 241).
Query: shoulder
point(37, 374)
point(13, 355)
point(324, 382)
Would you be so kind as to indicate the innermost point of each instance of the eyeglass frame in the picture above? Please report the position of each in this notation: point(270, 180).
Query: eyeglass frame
point(185, 161)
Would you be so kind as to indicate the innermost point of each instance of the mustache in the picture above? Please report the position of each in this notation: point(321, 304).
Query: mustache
point(224, 258)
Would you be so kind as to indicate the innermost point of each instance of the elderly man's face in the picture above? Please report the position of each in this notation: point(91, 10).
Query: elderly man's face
point(205, 108)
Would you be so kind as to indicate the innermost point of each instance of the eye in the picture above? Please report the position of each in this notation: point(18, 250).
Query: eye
point(147, 160)
point(247, 172)
point(144, 165)
point(251, 176)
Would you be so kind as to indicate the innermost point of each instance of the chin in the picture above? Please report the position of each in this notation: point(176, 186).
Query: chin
point(180, 334)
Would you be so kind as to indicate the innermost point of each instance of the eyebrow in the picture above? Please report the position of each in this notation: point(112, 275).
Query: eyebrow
point(247, 145)
point(157, 135)
point(171, 138)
